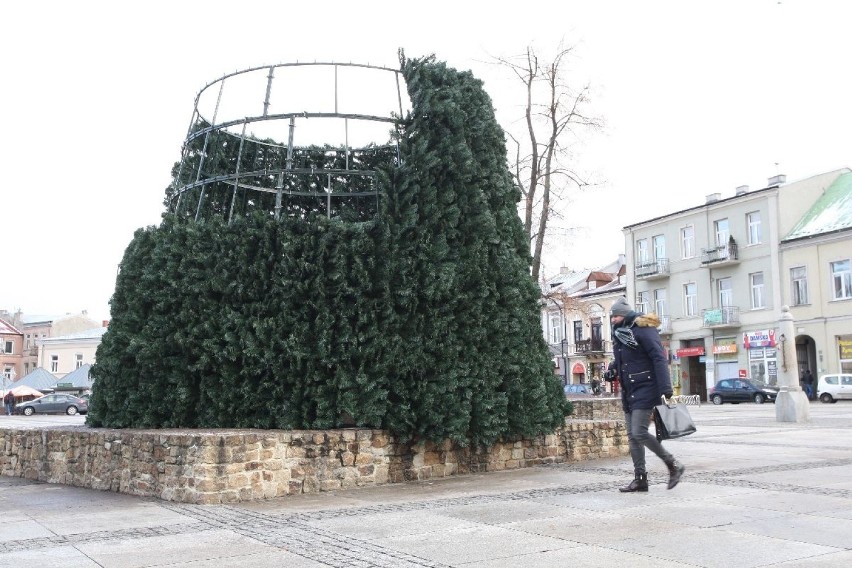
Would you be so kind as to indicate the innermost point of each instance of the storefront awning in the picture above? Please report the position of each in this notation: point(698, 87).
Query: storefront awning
point(690, 352)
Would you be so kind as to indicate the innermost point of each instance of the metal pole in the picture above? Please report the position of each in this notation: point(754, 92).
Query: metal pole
point(288, 167)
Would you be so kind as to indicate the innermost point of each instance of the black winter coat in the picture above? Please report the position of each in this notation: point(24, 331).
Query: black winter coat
point(643, 371)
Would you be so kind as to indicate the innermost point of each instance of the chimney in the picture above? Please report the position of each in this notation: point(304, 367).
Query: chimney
point(713, 198)
point(742, 190)
point(564, 270)
point(777, 180)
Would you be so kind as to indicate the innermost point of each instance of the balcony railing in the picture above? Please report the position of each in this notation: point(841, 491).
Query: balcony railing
point(728, 316)
point(651, 270)
point(665, 325)
point(722, 254)
point(591, 346)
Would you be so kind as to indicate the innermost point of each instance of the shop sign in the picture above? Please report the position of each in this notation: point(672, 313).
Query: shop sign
point(712, 317)
point(763, 338)
point(690, 352)
point(728, 348)
point(845, 346)
point(743, 374)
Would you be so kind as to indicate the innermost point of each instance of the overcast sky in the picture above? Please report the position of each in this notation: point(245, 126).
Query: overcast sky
point(698, 98)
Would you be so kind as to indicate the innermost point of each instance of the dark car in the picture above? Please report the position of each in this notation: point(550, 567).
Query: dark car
point(54, 404)
point(742, 390)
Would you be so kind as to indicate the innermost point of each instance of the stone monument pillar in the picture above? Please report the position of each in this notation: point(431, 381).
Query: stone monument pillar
point(792, 404)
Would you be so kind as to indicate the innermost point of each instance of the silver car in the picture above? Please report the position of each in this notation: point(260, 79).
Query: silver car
point(54, 404)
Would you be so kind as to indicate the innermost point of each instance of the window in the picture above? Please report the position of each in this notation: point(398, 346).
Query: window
point(54, 363)
point(687, 241)
point(7, 373)
point(799, 285)
point(690, 299)
point(643, 302)
point(722, 232)
point(79, 358)
point(555, 334)
point(28, 341)
point(757, 294)
point(659, 247)
point(841, 278)
point(578, 331)
point(8, 347)
point(726, 292)
point(596, 333)
point(660, 301)
point(753, 221)
point(641, 251)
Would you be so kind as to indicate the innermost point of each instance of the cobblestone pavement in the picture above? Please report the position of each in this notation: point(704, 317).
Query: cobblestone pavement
point(756, 493)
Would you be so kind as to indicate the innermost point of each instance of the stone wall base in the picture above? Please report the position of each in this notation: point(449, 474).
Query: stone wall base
point(227, 466)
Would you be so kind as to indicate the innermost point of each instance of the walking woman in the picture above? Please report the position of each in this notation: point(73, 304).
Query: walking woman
point(643, 372)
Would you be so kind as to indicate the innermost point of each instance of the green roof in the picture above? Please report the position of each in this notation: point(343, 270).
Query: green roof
point(831, 212)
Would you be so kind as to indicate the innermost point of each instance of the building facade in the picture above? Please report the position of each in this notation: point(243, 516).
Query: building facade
point(37, 328)
point(575, 309)
point(11, 347)
point(67, 353)
point(816, 280)
point(717, 274)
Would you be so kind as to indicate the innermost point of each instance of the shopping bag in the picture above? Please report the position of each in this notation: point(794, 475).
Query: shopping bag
point(672, 421)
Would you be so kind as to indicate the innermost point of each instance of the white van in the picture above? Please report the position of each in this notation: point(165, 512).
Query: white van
point(832, 388)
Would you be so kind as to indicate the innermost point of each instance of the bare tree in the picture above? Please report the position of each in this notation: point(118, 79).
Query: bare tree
point(554, 118)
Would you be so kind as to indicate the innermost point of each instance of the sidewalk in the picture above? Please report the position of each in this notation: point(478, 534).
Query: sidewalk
point(756, 493)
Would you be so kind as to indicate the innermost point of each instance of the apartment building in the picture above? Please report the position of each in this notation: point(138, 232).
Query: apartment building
point(66, 353)
point(718, 274)
point(11, 346)
point(575, 308)
point(40, 327)
point(816, 280)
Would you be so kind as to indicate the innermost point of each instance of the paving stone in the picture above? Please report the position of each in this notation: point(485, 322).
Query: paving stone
point(756, 494)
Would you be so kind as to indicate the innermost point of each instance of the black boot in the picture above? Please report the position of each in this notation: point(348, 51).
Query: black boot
point(676, 470)
point(639, 483)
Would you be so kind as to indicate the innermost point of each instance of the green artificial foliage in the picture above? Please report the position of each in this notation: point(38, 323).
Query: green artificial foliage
point(414, 313)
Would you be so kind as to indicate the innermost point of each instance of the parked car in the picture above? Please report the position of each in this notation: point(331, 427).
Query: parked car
point(54, 404)
point(831, 388)
point(741, 390)
point(578, 391)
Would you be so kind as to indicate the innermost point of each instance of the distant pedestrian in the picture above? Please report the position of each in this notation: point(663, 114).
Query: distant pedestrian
point(9, 402)
point(596, 386)
point(808, 383)
point(643, 372)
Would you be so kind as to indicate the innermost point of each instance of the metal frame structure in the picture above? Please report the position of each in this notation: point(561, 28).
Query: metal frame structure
point(208, 134)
